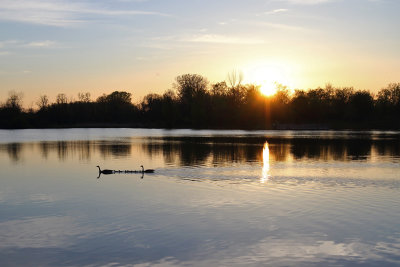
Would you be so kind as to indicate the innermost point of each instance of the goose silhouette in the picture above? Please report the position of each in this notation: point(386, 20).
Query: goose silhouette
point(146, 171)
point(105, 171)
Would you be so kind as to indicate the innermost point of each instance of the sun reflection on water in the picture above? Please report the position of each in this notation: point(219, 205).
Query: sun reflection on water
point(265, 171)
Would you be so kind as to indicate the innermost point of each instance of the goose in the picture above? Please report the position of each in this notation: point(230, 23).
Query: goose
point(106, 171)
point(146, 171)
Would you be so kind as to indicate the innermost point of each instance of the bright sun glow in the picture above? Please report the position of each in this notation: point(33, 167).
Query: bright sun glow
point(268, 88)
point(267, 77)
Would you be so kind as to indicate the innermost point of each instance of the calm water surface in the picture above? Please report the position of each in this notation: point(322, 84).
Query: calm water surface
point(218, 198)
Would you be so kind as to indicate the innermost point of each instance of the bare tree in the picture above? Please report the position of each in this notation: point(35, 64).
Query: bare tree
point(235, 78)
point(61, 99)
point(84, 97)
point(42, 102)
point(14, 100)
point(391, 94)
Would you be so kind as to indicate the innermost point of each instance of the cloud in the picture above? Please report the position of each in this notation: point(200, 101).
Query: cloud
point(39, 197)
point(5, 45)
point(54, 13)
point(181, 41)
point(306, 2)
point(279, 26)
point(59, 12)
point(7, 42)
point(261, 23)
point(275, 11)
point(316, 2)
point(41, 44)
point(132, 1)
point(15, 44)
point(222, 39)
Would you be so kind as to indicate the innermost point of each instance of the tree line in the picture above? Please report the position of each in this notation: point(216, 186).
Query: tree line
point(195, 103)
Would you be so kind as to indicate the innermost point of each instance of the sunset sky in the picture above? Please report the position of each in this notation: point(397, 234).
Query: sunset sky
point(140, 46)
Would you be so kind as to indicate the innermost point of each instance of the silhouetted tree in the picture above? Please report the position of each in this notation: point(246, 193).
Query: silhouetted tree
point(390, 95)
point(61, 99)
point(340, 109)
point(195, 104)
point(116, 97)
point(190, 86)
point(299, 107)
point(192, 90)
point(219, 89)
point(84, 97)
point(14, 101)
point(279, 105)
point(388, 105)
point(42, 102)
point(235, 78)
point(361, 105)
point(117, 107)
point(254, 113)
point(11, 113)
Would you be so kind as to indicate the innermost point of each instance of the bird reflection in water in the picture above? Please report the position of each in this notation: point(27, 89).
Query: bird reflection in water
point(265, 170)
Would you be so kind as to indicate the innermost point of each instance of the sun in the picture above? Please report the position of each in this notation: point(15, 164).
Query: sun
point(268, 77)
point(268, 88)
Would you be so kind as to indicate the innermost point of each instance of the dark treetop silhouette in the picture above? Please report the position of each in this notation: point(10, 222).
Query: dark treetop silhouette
point(195, 103)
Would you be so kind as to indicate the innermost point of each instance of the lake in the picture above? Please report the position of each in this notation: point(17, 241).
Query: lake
point(217, 198)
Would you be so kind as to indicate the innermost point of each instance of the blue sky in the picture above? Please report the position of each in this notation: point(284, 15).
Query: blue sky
point(50, 47)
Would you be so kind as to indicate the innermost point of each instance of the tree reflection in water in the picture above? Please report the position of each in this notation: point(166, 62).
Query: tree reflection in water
point(219, 151)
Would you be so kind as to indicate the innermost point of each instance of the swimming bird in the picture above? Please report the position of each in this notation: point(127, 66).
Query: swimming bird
point(146, 171)
point(106, 171)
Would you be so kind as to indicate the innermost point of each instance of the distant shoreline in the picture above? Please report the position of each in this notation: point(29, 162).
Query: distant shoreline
point(278, 127)
point(195, 104)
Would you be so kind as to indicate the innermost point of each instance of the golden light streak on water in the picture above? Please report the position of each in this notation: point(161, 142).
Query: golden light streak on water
point(265, 171)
